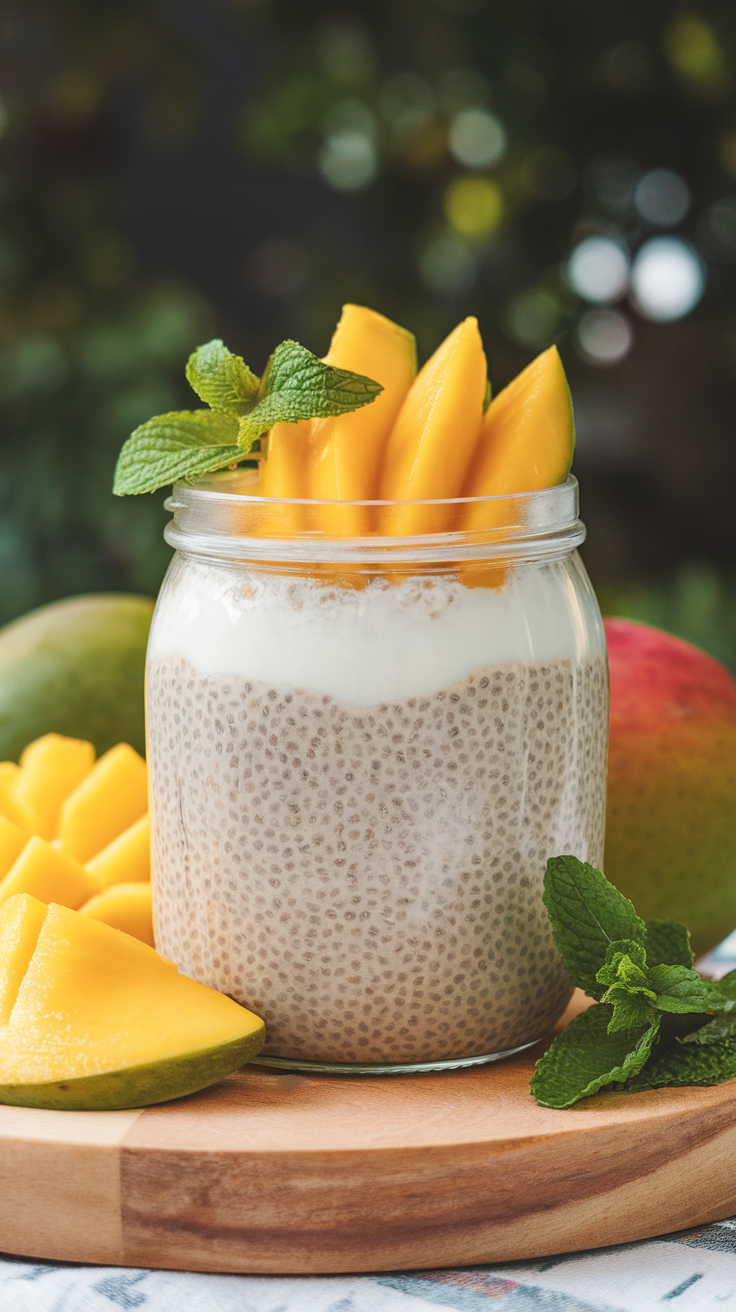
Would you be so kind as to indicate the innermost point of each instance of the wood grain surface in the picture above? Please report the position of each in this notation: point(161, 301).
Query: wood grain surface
point(273, 1172)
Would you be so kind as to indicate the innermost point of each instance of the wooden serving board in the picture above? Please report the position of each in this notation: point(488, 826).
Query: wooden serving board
point(269, 1172)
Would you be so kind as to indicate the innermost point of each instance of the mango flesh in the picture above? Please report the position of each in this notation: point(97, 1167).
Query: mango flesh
point(49, 874)
point(526, 440)
point(10, 806)
point(101, 1021)
point(12, 841)
point(128, 907)
point(50, 769)
point(20, 925)
point(670, 829)
point(75, 667)
point(126, 859)
point(111, 798)
point(346, 450)
point(283, 475)
point(432, 442)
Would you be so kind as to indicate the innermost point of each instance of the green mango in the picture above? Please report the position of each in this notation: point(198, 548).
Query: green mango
point(75, 667)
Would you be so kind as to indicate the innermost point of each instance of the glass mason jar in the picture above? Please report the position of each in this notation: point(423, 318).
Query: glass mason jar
point(363, 748)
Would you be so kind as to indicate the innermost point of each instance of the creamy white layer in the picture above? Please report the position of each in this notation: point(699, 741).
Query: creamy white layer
point(365, 646)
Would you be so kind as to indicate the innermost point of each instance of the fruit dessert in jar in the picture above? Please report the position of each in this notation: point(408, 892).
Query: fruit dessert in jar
point(377, 703)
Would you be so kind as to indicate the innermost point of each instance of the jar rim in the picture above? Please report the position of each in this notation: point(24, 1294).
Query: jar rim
point(214, 522)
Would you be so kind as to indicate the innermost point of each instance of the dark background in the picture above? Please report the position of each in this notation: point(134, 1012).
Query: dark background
point(177, 170)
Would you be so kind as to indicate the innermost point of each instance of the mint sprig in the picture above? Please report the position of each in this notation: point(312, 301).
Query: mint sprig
point(641, 975)
point(187, 443)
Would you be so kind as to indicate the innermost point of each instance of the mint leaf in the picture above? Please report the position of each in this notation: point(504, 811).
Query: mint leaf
point(585, 1057)
point(629, 989)
point(222, 379)
point(667, 943)
point(681, 990)
point(683, 1063)
point(721, 1027)
point(180, 445)
point(296, 385)
point(587, 915)
point(727, 984)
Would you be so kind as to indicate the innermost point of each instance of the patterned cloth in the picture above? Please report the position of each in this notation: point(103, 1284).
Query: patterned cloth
point(694, 1271)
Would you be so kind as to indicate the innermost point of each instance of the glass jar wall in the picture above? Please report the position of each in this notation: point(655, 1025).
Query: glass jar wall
point(363, 749)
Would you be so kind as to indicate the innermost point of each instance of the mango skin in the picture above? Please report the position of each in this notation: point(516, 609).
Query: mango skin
point(671, 811)
point(75, 667)
point(138, 1086)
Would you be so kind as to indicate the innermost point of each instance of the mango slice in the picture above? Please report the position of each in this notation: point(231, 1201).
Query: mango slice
point(128, 907)
point(20, 925)
point(101, 1022)
point(50, 768)
point(127, 859)
point(9, 804)
point(49, 874)
point(283, 475)
point(526, 440)
point(12, 841)
point(436, 432)
point(346, 450)
point(111, 798)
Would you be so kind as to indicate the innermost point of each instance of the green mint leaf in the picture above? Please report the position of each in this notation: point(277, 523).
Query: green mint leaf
point(296, 385)
point(727, 984)
point(221, 379)
point(667, 943)
point(180, 445)
point(720, 1027)
point(628, 988)
point(684, 1063)
point(587, 915)
point(681, 990)
point(585, 1057)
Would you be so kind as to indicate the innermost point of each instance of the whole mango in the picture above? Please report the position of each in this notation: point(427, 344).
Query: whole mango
point(671, 811)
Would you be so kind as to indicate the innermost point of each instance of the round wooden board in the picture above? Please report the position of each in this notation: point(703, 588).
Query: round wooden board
point(268, 1172)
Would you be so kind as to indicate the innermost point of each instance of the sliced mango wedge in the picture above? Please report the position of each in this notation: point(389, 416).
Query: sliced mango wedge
point(526, 440)
point(20, 925)
point(432, 442)
point(346, 450)
point(284, 475)
point(9, 804)
point(128, 907)
point(12, 841)
point(101, 1021)
point(50, 769)
point(48, 873)
point(127, 859)
point(111, 798)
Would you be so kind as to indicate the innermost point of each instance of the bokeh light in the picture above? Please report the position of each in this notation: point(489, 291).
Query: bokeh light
point(447, 264)
point(474, 206)
point(604, 336)
point(349, 160)
point(667, 279)
point(662, 198)
point(717, 230)
point(598, 270)
point(613, 177)
point(477, 138)
point(533, 318)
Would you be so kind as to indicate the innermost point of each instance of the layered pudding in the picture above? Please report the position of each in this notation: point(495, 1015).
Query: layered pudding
point(355, 792)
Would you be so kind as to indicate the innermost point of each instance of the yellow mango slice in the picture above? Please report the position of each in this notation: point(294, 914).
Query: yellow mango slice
point(49, 874)
point(20, 925)
point(346, 450)
point(112, 797)
point(283, 475)
point(526, 440)
point(12, 841)
point(10, 806)
point(50, 768)
point(102, 1021)
point(127, 859)
point(436, 432)
point(128, 907)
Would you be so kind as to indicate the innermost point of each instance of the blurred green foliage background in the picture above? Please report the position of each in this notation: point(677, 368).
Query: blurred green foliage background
point(176, 170)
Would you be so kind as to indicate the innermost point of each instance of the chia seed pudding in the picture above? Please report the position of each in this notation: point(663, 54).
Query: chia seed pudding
point(364, 871)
